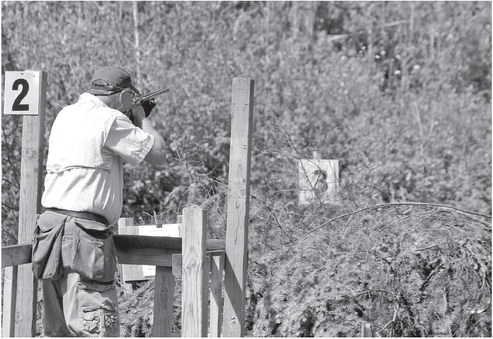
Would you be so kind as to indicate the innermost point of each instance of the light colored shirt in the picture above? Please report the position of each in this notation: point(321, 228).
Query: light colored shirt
point(88, 143)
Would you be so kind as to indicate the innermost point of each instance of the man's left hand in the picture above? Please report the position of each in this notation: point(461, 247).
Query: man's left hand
point(148, 105)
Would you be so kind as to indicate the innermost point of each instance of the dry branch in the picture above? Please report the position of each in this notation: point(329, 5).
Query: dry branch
point(388, 205)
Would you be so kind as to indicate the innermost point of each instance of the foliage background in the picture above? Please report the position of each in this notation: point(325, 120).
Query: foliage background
point(399, 92)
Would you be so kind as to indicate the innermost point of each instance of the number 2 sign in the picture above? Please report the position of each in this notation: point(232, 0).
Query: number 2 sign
point(24, 92)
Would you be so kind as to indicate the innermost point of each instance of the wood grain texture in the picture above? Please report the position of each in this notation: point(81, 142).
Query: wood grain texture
point(16, 255)
point(139, 250)
point(216, 296)
point(163, 302)
point(33, 130)
point(238, 207)
point(9, 301)
point(146, 250)
point(194, 293)
point(129, 272)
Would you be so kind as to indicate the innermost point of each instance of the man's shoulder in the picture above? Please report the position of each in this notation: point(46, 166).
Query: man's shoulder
point(86, 116)
point(88, 105)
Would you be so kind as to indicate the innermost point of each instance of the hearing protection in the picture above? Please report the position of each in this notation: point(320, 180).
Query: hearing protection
point(125, 100)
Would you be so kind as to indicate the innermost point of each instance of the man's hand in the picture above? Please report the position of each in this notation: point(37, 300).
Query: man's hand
point(148, 105)
point(137, 115)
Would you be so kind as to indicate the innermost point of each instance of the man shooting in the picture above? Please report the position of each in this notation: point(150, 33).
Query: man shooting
point(82, 197)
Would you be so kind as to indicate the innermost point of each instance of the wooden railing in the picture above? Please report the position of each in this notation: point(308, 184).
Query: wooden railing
point(230, 255)
point(193, 257)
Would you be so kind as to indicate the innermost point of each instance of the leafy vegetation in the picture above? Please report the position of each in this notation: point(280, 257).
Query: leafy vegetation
point(399, 92)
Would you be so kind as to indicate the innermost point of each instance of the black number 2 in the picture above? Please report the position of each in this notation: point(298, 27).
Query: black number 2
point(17, 106)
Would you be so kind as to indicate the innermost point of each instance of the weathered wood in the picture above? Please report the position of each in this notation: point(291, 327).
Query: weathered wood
point(207, 275)
point(16, 255)
point(177, 258)
point(130, 249)
point(29, 206)
point(146, 250)
point(144, 272)
point(238, 207)
point(176, 265)
point(194, 293)
point(216, 296)
point(367, 330)
point(9, 301)
point(129, 272)
point(163, 302)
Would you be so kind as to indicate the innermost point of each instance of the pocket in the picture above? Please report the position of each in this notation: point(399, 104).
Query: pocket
point(67, 251)
point(46, 249)
point(98, 312)
point(93, 258)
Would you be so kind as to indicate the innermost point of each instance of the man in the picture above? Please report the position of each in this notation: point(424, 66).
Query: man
point(88, 144)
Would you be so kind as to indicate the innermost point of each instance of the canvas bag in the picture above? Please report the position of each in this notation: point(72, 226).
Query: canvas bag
point(92, 257)
point(47, 244)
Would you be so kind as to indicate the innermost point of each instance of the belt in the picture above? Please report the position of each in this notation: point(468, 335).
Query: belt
point(81, 215)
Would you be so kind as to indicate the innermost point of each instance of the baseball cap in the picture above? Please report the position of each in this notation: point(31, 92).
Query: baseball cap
point(111, 79)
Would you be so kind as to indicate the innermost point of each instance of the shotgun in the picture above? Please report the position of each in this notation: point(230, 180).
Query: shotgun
point(143, 98)
point(138, 100)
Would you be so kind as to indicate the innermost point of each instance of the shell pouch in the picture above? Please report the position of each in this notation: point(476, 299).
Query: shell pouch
point(92, 257)
point(46, 249)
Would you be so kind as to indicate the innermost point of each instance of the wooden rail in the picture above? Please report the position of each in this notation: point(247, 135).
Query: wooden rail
point(131, 249)
point(197, 259)
point(200, 259)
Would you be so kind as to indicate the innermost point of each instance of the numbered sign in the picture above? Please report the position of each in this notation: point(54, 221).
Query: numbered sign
point(319, 181)
point(24, 92)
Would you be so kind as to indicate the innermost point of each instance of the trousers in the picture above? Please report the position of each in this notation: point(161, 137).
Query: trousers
point(77, 306)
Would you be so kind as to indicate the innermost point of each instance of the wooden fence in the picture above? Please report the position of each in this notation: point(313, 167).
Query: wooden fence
point(202, 259)
point(198, 260)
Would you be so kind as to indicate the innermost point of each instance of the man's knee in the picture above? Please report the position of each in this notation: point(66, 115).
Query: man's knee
point(98, 310)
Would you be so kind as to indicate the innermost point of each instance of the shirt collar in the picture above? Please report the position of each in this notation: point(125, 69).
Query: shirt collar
point(88, 97)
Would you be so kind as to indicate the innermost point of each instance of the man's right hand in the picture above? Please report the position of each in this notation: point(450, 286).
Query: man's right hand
point(138, 115)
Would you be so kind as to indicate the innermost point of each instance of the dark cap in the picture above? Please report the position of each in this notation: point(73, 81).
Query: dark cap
point(111, 79)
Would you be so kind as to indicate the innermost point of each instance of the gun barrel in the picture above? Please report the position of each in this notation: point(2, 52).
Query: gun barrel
point(151, 95)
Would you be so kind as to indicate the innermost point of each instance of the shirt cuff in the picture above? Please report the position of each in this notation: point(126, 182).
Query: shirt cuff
point(148, 143)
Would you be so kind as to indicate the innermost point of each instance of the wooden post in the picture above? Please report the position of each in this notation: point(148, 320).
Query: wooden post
point(131, 272)
point(33, 130)
point(9, 301)
point(367, 330)
point(163, 302)
point(216, 296)
point(194, 287)
point(238, 205)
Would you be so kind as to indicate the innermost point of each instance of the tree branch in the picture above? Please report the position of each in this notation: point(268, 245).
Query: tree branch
point(388, 205)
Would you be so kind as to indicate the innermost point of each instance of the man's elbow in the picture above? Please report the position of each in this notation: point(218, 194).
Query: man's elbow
point(156, 160)
point(157, 155)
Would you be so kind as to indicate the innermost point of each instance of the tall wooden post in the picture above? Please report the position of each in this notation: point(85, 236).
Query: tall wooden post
point(194, 282)
point(33, 130)
point(236, 261)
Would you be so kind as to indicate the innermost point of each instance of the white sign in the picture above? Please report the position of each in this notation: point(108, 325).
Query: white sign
point(167, 230)
point(144, 272)
point(22, 95)
point(319, 181)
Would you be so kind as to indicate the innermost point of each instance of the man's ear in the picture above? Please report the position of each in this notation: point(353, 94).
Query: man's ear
point(125, 100)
